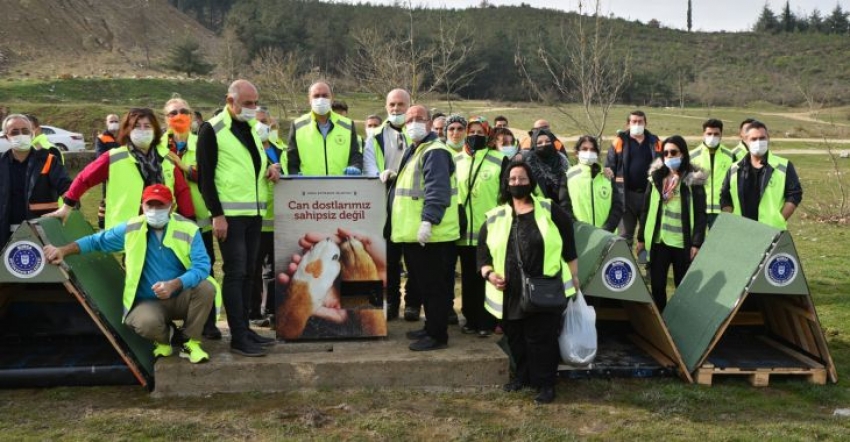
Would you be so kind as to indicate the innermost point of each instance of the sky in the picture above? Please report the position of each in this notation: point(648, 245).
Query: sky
point(708, 15)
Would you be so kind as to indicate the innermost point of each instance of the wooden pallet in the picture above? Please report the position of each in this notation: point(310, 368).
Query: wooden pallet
point(814, 372)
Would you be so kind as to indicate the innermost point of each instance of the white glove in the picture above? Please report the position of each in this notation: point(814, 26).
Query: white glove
point(387, 175)
point(424, 233)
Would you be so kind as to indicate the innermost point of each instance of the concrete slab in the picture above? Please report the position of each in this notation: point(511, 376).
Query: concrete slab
point(469, 361)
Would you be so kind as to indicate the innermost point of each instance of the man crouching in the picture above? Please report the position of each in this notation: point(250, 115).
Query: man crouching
point(168, 272)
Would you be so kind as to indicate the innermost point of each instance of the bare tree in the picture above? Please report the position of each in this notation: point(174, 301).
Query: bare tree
point(231, 54)
point(455, 48)
point(582, 66)
point(280, 79)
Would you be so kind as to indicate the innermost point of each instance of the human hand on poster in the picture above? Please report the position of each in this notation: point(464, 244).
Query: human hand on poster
point(374, 246)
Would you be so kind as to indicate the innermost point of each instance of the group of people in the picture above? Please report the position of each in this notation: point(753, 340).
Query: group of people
point(457, 189)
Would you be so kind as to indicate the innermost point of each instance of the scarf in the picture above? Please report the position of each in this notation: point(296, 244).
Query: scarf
point(150, 165)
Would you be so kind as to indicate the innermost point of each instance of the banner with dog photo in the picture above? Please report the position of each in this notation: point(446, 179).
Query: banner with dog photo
point(330, 258)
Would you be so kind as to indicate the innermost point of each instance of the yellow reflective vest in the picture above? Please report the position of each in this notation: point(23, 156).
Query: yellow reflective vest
point(178, 236)
point(499, 222)
point(478, 179)
point(323, 156)
point(241, 192)
point(723, 160)
point(190, 158)
point(671, 231)
point(591, 197)
point(125, 185)
point(409, 201)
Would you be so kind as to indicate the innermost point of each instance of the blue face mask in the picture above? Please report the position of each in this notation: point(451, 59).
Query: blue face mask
point(673, 163)
point(181, 145)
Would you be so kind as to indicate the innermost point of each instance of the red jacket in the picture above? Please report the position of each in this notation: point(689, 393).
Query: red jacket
point(98, 171)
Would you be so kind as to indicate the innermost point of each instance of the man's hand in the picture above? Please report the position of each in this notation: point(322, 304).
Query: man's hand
point(424, 234)
point(387, 176)
point(54, 255)
point(694, 251)
point(497, 280)
point(164, 289)
point(175, 158)
point(608, 173)
point(62, 213)
point(219, 224)
point(273, 173)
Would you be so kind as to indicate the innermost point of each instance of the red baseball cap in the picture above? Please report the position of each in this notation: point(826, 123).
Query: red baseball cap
point(157, 192)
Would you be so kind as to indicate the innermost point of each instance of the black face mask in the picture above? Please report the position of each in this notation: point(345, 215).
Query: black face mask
point(521, 191)
point(476, 142)
point(545, 150)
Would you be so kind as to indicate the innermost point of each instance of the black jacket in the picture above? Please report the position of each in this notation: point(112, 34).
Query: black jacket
point(44, 185)
point(693, 188)
point(618, 156)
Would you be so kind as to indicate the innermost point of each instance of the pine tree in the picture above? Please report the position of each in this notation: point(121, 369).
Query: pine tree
point(767, 21)
point(836, 23)
point(788, 22)
point(816, 21)
point(187, 57)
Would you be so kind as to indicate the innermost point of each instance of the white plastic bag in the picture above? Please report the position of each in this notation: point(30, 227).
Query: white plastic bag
point(578, 334)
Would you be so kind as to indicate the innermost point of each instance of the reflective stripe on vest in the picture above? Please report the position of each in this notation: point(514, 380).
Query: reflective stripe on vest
point(671, 230)
point(483, 170)
point(241, 192)
point(320, 155)
point(772, 200)
point(499, 222)
point(409, 201)
point(591, 197)
point(125, 185)
point(723, 160)
point(178, 236)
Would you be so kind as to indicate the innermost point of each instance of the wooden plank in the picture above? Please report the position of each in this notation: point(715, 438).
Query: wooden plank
point(760, 377)
point(646, 320)
point(611, 314)
point(748, 318)
point(791, 352)
point(656, 354)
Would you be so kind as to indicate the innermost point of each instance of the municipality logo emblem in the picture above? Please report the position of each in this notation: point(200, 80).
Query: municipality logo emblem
point(604, 192)
point(781, 270)
point(24, 259)
point(618, 274)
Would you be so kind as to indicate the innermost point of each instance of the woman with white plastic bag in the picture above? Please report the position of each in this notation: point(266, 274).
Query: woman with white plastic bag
point(578, 334)
point(532, 231)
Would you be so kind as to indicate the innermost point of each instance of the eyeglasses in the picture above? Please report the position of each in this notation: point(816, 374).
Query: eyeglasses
point(671, 153)
point(179, 111)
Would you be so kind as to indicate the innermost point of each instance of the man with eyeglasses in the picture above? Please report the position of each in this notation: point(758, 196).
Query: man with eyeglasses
point(423, 199)
point(381, 157)
point(762, 186)
point(233, 170)
point(32, 180)
point(323, 142)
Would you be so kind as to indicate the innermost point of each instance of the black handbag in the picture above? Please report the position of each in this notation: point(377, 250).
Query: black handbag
point(540, 293)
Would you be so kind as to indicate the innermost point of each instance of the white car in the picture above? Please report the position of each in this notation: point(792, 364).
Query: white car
point(64, 140)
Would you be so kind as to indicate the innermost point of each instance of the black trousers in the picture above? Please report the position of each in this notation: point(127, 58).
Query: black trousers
point(472, 291)
point(430, 271)
point(661, 256)
point(632, 208)
point(262, 278)
point(394, 257)
point(533, 342)
point(239, 254)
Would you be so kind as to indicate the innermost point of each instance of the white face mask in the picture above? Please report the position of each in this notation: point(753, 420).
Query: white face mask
point(112, 127)
point(247, 114)
point(416, 131)
point(320, 106)
point(509, 150)
point(758, 147)
point(396, 120)
point(157, 218)
point(455, 146)
point(372, 131)
point(274, 136)
point(587, 157)
point(636, 129)
point(712, 141)
point(141, 138)
point(262, 131)
point(21, 143)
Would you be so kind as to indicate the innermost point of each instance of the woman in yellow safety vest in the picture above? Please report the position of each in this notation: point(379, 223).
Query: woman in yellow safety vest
point(538, 233)
point(672, 225)
point(590, 196)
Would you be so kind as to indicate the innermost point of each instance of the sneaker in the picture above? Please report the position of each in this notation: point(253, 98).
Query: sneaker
point(514, 385)
point(247, 348)
point(411, 313)
point(193, 352)
point(545, 396)
point(211, 333)
point(467, 330)
point(453, 319)
point(415, 335)
point(427, 344)
point(392, 312)
point(642, 257)
point(484, 333)
point(261, 340)
point(162, 350)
